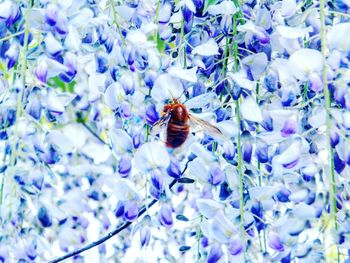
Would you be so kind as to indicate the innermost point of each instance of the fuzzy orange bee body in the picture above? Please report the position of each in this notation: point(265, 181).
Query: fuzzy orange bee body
point(176, 119)
point(178, 125)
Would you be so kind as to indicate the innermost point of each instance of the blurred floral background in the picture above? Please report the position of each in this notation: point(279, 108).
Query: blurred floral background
point(83, 81)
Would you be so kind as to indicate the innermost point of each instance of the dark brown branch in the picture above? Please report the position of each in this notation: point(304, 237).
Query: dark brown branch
point(121, 227)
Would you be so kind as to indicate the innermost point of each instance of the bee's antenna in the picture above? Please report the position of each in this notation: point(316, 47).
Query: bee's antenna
point(172, 96)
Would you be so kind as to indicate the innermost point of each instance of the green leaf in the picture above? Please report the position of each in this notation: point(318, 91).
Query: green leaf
point(160, 43)
point(57, 82)
point(208, 3)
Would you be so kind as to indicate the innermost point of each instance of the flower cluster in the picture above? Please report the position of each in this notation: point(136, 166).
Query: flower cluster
point(83, 82)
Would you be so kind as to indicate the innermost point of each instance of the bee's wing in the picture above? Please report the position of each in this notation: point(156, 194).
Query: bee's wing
point(160, 125)
point(206, 127)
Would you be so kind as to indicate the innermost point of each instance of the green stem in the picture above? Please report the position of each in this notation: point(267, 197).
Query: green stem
point(180, 44)
point(327, 98)
point(23, 63)
point(11, 36)
point(156, 21)
point(115, 21)
point(240, 169)
point(239, 149)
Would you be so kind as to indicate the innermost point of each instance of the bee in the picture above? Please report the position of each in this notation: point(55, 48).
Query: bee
point(176, 119)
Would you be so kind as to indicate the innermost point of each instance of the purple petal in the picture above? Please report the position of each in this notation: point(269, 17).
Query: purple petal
point(275, 242)
point(290, 127)
point(131, 211)
point(165, 216)
point(215, 253)
point(216, 176)
point(157, 180)
point(236, 247)
point(41, 71)
point(145, 236)
point(174, 169)
point(51, 13)
point(151, 114)
point(124, 166)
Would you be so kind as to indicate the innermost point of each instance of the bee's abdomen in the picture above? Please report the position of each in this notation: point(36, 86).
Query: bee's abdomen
point(177, 133)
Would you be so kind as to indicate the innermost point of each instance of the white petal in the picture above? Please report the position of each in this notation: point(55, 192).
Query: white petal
point(208, 207)
point(150, 156)
point(199, 150)
point(121, 141)
point(305, 61)
point(165, 87)
point(126, 190)
point(228, 128)
point(221, 228)
point(338, 37)
point(289, 7)
point(210, 48)
point(241, 79)
point(63, 142)
point(114, 95)
point(54, 68)
point(96, 151)
point(190, 5)
point(204, 101)
point(76, 134)
point(137, 38)
point(293, 32)
point(82, 18)
point(185, 74)
point(199, 171)
point(291, 154)
point(318, 117)
point(298, 196)
point(256, 63)
point(304, 211)
point(52, 44)
point(72, 41)
point(250, 110)
point(224, 8)
point(125, 12)
point(262, 193)
point(96, 84)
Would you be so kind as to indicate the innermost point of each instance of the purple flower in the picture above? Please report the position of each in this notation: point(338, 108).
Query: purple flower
point(157, 180)
point(124, 166)
point(316, 83)
point(34, 104)
point(120, 209)
point(173, 169)
point(131, 211)
point(61, 25)
point(44, 217)
point(125, 110)
point(9, 13)
point(51, 14)
point(145, 236)
point(127, 84)
point(137, 140)
point(215, 253)
point(165, 216)
point(235, 247)
point(216, 175)
point(41, 71)
point(101, 63)
point(151, 114)
point(275, 242)
point(290, 127)
point(12, 55)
